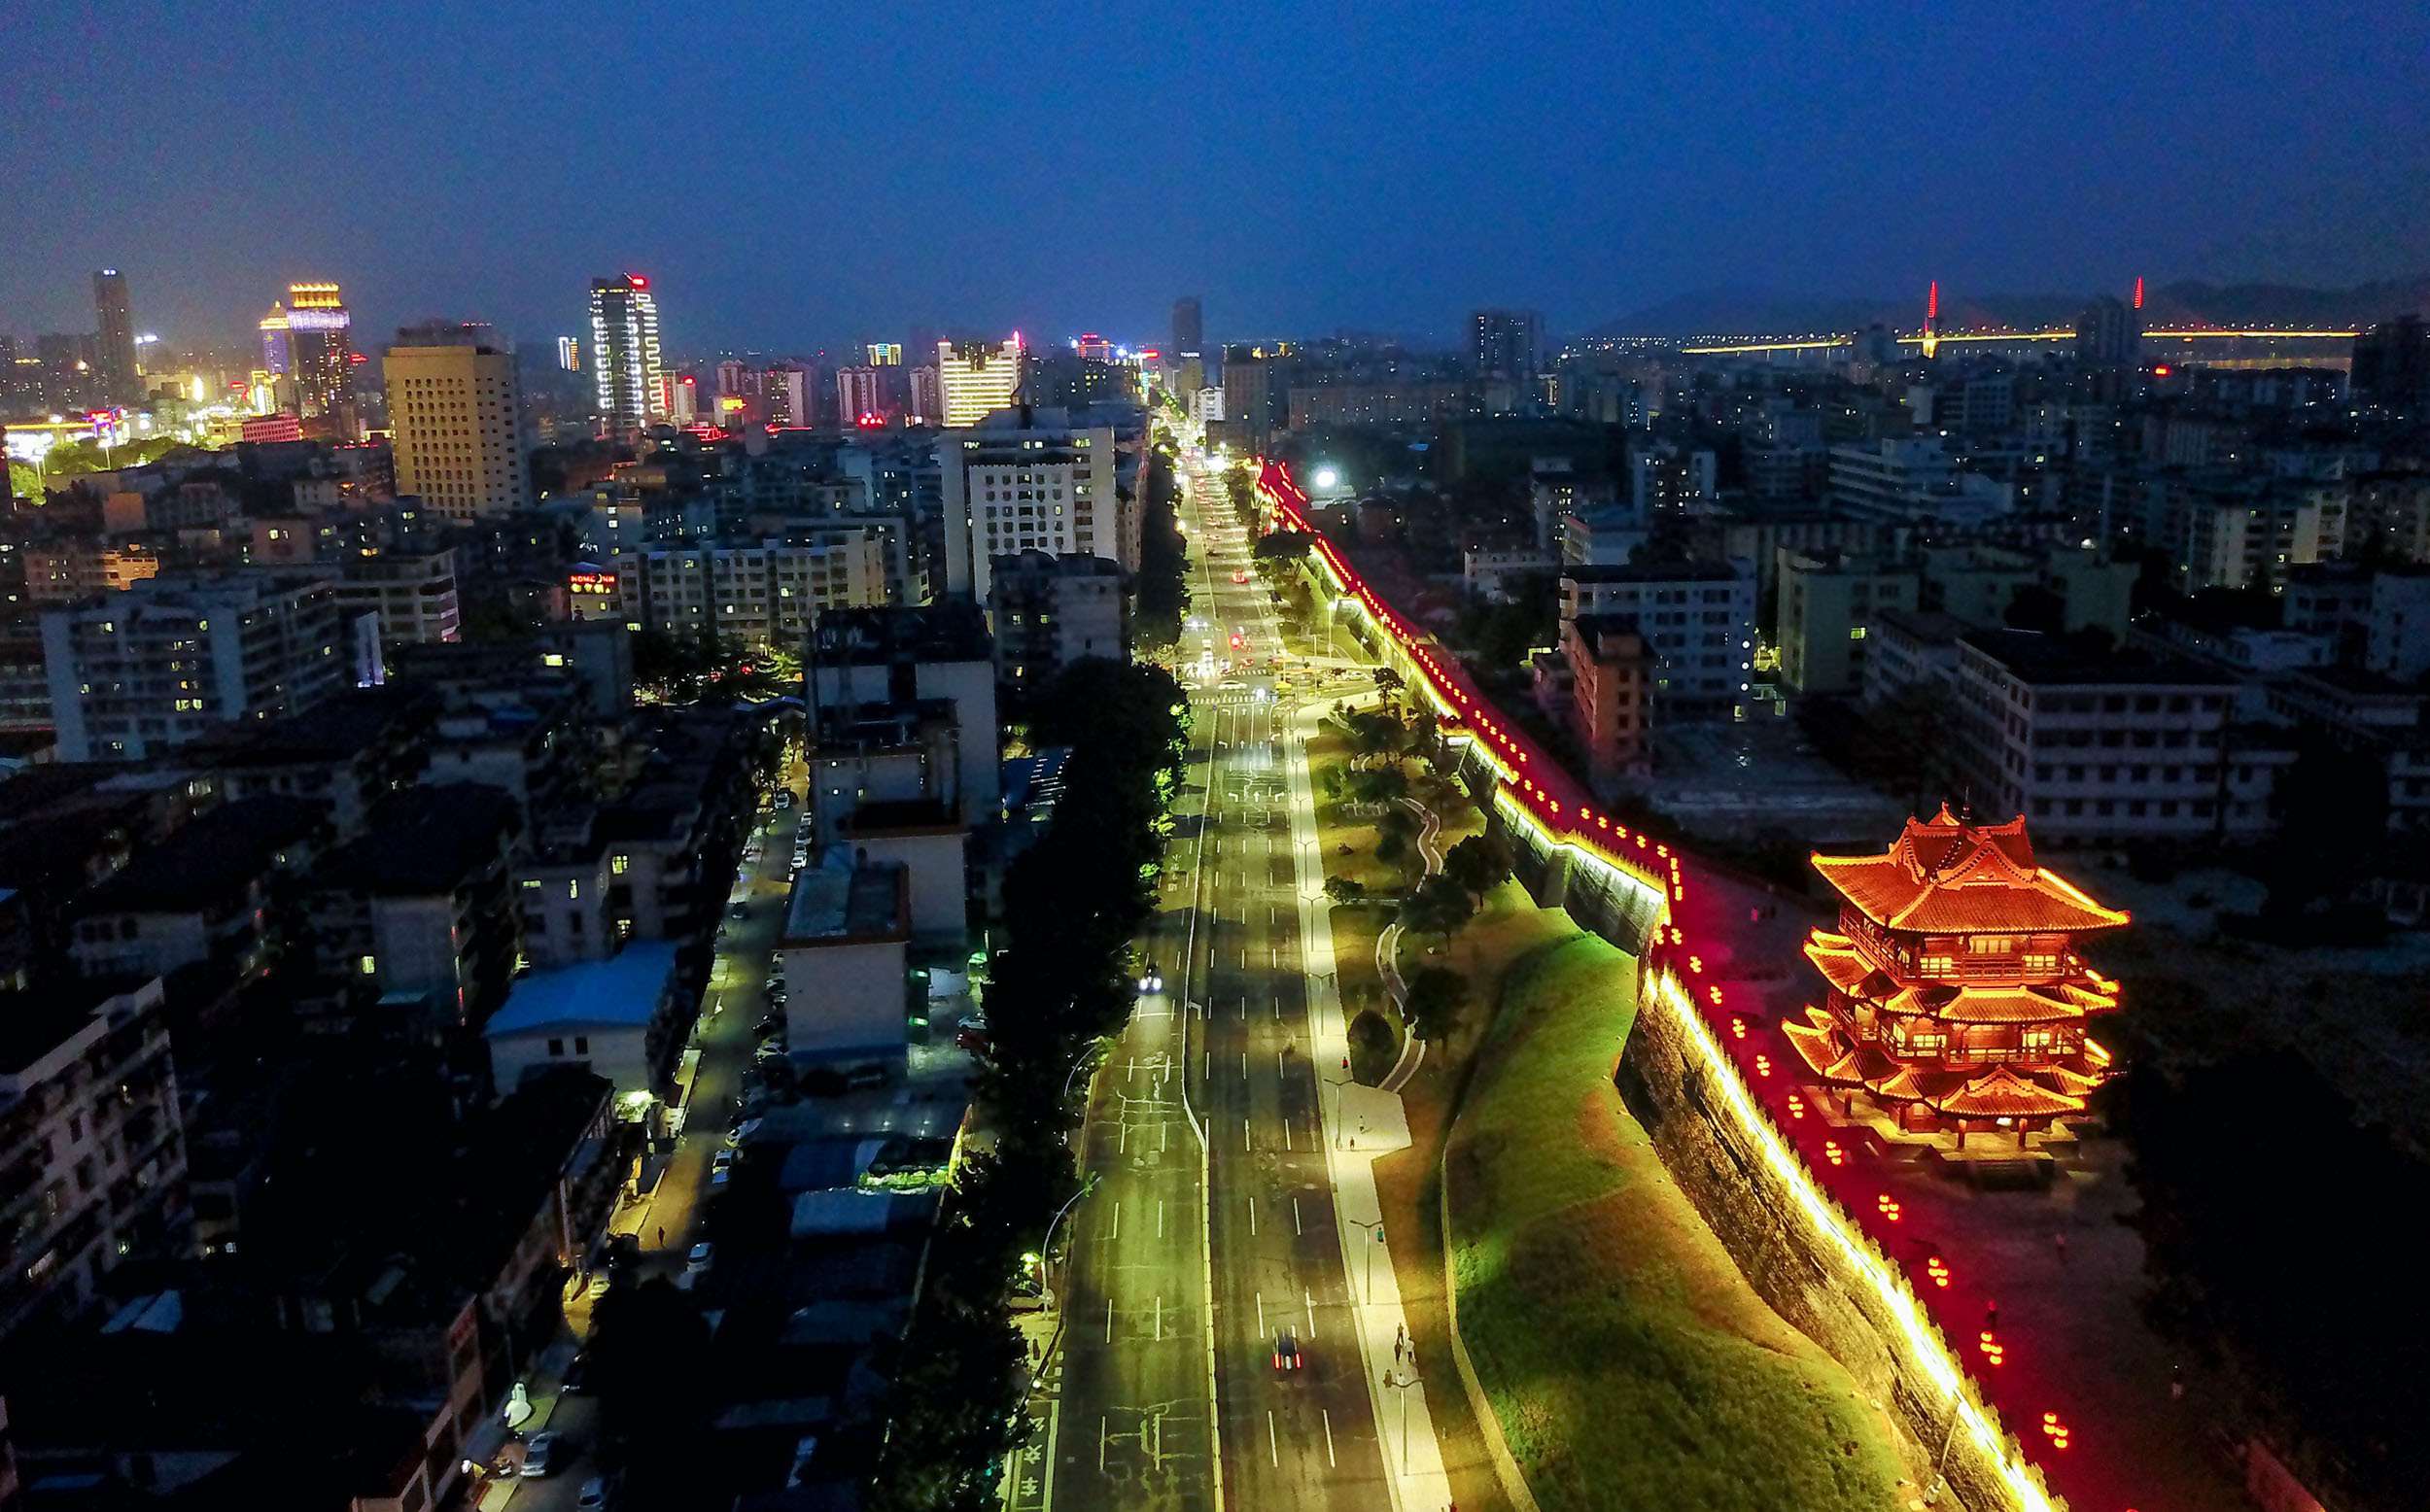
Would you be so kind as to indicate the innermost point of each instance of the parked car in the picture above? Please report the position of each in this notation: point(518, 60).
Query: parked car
point(539, 1456)
point(972, 1036)
point(578, 1377)
point(738, 1133)
point(594, 1497)
point(721, 1168)
point(739, 913)
point(699, 1259)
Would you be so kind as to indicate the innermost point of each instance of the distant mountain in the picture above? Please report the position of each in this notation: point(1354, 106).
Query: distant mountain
point(1762, 312)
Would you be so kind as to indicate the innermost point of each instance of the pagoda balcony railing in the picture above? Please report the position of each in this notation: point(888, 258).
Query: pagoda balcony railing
point(1959, 1057)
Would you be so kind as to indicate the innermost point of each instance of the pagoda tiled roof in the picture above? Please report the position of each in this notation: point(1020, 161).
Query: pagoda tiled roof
point(1946, 876)
point(2033, 1005)
point(2001, 1093)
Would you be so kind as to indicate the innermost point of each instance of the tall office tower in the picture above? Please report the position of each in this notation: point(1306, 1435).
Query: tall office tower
point(1093, 348)
point(278, 357)
point(1189, 326)
point(2108, 334)
point(116, 378)
point(886, 354)
point(974, 380)
point(859, 394)
point(624, 355)
point(320, 348)
point(67, 365)
point(926, 408)
point(569, 354)
point(456, 408)
point(1507, 342)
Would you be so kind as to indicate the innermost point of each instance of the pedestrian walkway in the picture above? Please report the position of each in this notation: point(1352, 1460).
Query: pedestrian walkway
point(1360, 1124)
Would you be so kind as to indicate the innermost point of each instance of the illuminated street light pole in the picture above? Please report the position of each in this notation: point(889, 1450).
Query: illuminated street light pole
point(1377, 1227)
point(1401, 1380)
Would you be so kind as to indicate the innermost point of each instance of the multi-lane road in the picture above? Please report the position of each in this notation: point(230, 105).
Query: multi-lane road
point(1208, 1245)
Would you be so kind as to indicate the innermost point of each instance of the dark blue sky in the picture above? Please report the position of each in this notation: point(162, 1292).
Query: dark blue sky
point(796, 174)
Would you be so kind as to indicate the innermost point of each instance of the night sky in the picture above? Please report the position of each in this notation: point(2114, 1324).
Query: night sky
point(801, 175)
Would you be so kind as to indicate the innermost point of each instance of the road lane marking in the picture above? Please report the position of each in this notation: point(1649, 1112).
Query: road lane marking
point(1260, 1315)
point(1118, 1220)
point(1294, 1217)
point(1244, 1133)
point(1274, 1446)
point(1244, 1065)
point(1100, 1446)
point(1109, 1319)
point(1253, 1221)
point(1328, 1439)
point(1159, 1318)
point(1160, 1217)
point(1310, 1296)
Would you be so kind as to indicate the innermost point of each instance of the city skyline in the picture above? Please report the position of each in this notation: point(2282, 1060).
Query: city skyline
point(1699, 154)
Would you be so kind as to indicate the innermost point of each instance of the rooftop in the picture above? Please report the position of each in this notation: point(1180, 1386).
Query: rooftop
point(2042, 660)
point(1654, 573)
point(622, 990)
point(1930, 627)
point(424, 839)
point(835, 905)
point(223, 849)
point(949, 632)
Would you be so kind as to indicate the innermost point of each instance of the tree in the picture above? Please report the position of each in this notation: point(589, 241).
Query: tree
point(1282, 546)
point(1394, 833)
point(1374, 734)
point(1377, 784)
point(1345, 889)
point(644, 1336)
point(1439, 907)
point(1434, 999)
point(1478, 865)
point(2331, 804)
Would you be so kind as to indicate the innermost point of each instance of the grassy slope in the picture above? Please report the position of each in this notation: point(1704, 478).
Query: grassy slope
point(1630, 1363)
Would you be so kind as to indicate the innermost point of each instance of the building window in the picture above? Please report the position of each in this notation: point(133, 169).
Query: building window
point(556, 1046)
point(370, 965)
point(581, 1045)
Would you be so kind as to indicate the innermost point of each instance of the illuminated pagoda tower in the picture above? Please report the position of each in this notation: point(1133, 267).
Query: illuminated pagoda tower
point(1957, 1001)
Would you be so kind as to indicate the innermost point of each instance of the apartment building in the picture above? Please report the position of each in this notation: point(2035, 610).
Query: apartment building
point(1027, 479)
point(765, 593)
point(1610, 670)
point(1828, 606)
point(2106, 749)
point(1697, 620)
point(412, 593)
point(138, 673)
point(93, 1157)
point(1049, 612)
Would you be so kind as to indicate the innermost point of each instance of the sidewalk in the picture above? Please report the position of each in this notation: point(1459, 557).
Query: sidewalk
point(1360, 1124)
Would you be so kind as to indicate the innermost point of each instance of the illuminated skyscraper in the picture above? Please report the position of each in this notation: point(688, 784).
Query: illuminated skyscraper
point(926, 409)
point(569, 354)
point(886, 354)
point(320, 350)
point(278, 360)
point(453, 402)
point(625, 362)
point(974, 380)
point(1188, 326)
point(116, 374)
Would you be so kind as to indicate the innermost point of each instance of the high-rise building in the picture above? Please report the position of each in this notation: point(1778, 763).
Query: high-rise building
point(138, 673)
point(456, 409)
point(886, 354)
point(786, 389)
point(1027, 479)
point(1188, 326)
point(2109, 335)
point(320, 349)
point(67, 363)
point(278, 359)
point(117, 379)
point(859, 393)
point(926, 408)
point(625, 358)
point(569, 354)
point(1507, 342)
point(975, 380)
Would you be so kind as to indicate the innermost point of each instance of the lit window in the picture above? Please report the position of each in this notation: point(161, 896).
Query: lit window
point(370, 965)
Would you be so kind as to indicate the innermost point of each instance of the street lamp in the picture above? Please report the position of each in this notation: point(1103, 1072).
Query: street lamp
point(1337, 1084)
point(1045, 1246)
point(1375, 1227)
point(1401, 1379)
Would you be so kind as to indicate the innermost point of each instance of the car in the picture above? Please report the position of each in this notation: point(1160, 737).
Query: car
point(784, 798)
point(578, 1377)
point(721, 1169)
point(768, 1050)
point(539, 1456)
point(1151, 979)
point(774, 1023)
point(741, 1132)
point(1287, 1351)
point(699, 1259)
point(594, 1495)
point(739, 913)
point(972, 1038)
point(1239, 577)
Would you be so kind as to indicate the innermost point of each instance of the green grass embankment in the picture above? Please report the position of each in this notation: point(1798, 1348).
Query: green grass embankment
point(1629, 1362)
